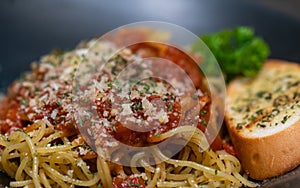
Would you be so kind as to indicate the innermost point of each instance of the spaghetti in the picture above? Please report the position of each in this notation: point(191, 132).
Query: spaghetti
point(45, 144)
point(33, 161)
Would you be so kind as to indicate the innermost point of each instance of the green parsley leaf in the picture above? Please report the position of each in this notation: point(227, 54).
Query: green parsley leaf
point(238, 51)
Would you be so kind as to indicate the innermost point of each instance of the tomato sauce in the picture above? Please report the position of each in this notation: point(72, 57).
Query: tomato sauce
point(10, 116)
point(14, 113)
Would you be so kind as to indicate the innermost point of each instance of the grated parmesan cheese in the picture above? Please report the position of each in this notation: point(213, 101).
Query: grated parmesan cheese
point(54, 114)
point(126, 109)
point(82, 151)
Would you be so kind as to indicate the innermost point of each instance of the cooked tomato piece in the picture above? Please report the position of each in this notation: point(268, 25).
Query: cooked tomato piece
point(220, 144)
point(129, 182)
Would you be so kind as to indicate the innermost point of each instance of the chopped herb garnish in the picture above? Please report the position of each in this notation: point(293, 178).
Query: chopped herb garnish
point(281, 100)
point(296, 95)
point(275, 112)
point(204, 122)
point(285, 118)
point(216, 172)
point(116, 81)
point(268, 96)
point(239, 126)
point(203, 112)
point(204, 183)
point(195, 97)
point(153, 84)
point(58, 103)
point(252, 118)
point(138, 106)
point(259, 112)
point(113, 127)
point(109, 84)
point(23, 101)
point(119, 90)
point(36, 89)
point(170, 107)
point(260, 125)
point(157, 134)
point(80, 121)
point(237, 109)
point(86, 100)
point(147, 88)
point(260, 94)
point(134, 184)
point(165, 99)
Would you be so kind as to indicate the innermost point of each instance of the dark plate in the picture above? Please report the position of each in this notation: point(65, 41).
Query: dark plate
point(29, 29)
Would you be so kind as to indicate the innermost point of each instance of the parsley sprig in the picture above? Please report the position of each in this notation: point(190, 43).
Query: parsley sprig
point(238, 51)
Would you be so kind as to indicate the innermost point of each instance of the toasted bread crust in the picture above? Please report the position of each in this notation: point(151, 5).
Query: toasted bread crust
point(270, 155)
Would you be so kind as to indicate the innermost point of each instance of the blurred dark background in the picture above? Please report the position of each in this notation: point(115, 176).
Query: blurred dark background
point(288, 7)
point(31, 28)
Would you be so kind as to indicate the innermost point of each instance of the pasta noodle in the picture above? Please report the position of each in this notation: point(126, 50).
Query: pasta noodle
point(33, 165)
point(38, 165)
